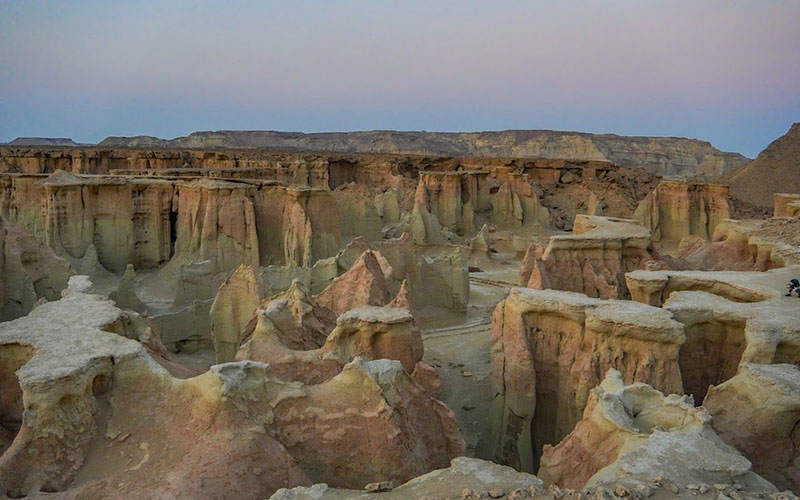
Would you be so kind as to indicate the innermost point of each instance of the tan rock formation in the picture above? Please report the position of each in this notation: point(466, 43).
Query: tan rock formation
point(593, 260)
point(147, 222)
point(786, 205)
point(29, 272)
point(636, 432)
point(115, 417)
point(550, 348)
point(678, 209)
point(364, 284)
point(233, 306)
point(125, 295)
point(757, 412)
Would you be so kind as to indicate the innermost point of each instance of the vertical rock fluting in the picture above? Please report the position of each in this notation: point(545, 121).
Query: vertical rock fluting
point(550, 348)
point(147, 222)
point(593, 260)
point(676, 209)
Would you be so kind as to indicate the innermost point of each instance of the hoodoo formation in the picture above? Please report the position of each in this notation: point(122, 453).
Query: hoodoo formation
point(395, 315)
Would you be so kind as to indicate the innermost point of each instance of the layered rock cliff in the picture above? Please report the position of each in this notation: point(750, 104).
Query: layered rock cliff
point(670, 156)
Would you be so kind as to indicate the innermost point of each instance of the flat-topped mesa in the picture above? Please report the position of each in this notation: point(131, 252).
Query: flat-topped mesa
point(758, 412)
point(635, 433)
point(676, 209)
point(786, 205)
point(550, 348)
point(298, 168)
point(593, 260)
point(722, 334)
point(148, 222)
point(29, 272)
point(156, 437)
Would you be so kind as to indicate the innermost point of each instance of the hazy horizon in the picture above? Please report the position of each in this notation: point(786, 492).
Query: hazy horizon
point(719, 71)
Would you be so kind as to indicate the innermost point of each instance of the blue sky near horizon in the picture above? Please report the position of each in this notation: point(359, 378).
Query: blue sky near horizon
point(726, 71)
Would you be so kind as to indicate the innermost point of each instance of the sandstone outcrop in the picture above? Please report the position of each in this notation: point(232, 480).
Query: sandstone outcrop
point(786, 205)
point(550, 348)
point(757, 412)
point(116, 418)
point(233, 306)
point(634, 431)
point(29, 272)
point(728, 318)
point(676, 209)
point(593, 260)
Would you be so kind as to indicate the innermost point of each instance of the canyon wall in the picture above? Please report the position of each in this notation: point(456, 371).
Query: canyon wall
point(549, 348)
point(147, 222)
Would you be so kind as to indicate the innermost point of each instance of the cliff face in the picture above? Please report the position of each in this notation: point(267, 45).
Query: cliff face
point(675, 210)
point(549, 349)
point(147, 222)
point(669, 156)
point(774, 170)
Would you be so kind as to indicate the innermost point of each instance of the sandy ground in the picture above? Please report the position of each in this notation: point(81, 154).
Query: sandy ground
point(457, 345)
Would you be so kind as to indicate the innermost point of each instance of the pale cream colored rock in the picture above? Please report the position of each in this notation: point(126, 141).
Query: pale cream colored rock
point(247, 430)
point(634, 431)
point(464, 475)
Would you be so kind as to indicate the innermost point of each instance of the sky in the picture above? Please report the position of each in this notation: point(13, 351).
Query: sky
point(726, 71)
